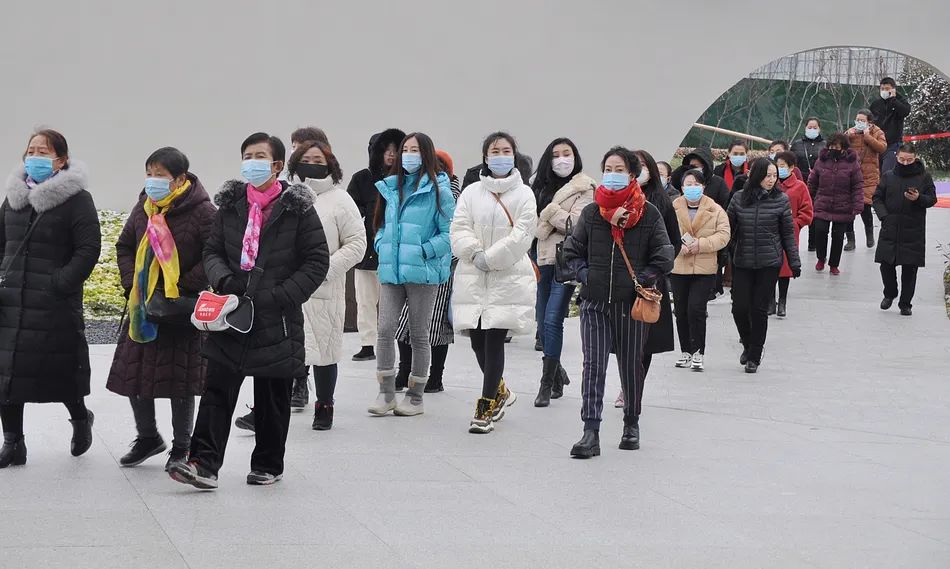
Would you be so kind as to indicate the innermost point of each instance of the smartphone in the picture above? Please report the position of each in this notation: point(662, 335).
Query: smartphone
point(687, 239)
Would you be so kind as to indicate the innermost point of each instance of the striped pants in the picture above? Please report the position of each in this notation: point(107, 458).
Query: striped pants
point(607, 327)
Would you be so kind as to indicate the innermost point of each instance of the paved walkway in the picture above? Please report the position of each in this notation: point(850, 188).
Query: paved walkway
point(835, 455)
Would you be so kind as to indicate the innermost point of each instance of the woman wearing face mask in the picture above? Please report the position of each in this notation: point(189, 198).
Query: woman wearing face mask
point(665, 171)
point(412, 220)
point(621, 225)
point(736, 165)
point(495, 283)
point(267, 243)
point(314, 165)
point(776, 148)
point(762, 228)
point(49, 235)
point(562, 191)
point(704, 227)
point(806, 151)
point(441, 332)
point(838, 186)
point(869, 143)
point(159, 253)
point(800, 202)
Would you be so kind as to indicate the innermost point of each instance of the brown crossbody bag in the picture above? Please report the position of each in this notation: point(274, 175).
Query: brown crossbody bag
point(646, 307)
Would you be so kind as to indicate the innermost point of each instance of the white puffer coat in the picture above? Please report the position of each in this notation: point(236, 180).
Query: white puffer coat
point(505, 296)
point(346, 239)
point(567, 203)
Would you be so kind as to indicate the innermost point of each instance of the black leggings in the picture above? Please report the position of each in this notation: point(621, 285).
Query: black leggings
point(783, 283)
point(324, 382)
point(11, 414)
point(489, 348)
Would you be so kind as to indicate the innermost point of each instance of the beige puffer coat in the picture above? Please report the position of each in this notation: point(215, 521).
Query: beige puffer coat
point(711, 227)
point(568, 203)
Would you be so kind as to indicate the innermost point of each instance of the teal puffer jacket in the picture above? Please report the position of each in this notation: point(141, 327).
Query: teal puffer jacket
point(413, 243)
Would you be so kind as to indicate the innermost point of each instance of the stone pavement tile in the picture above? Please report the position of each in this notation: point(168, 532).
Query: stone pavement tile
point(232, 556)
point(42, 527)
point(137, 556)
point(936, 529)
point(335, 467)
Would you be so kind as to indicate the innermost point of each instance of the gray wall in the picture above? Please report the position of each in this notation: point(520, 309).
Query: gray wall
point(120, 79)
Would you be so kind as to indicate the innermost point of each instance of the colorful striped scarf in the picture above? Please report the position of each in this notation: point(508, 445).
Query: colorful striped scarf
point(157, 251)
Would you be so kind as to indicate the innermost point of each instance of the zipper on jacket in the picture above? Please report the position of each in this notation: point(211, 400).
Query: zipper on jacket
point(283, 320)
point(610, 287)
point(755, 227)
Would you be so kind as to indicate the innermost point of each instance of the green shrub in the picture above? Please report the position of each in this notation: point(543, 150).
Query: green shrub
point(103, 296)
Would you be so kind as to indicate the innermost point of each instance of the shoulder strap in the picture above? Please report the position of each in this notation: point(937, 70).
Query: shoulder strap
point(626, 260)
point(511, 221)
point(23, 243)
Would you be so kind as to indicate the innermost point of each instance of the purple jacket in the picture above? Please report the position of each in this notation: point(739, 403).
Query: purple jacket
point(838, 187)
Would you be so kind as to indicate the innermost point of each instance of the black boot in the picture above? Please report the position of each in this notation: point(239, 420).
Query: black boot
point(772, 306)
point(849, 245)
point(560, 380)
point(300, 395)
point(782, 311)
point(82, 434)
point(366, 353)
point(588, 446)
point(538, 345)
point(436, 371)
point(548, 372)
point(322, 416)
point(405, 366)
point(631, 437)
point(13, 452)
point(869, 233)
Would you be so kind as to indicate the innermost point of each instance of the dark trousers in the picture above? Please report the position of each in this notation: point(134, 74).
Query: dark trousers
point(908, 283)
point(436, 366)
point(783, 283)
point(489, 348)
point(867, 217)
point(11, 415)
point(271, 419)
point(690, 296)
point(838, 229)
point(605, 327)
point(752, 291)
point(183, 419)
point(889, 158)
point(811, 236)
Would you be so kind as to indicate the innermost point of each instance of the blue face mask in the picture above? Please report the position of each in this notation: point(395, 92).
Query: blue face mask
point(783, 172)
point(157, 188)
point(693, 193)
point(39, 168)
point(737, 161)
point(411, 162)
point(812, 133)
point(861, 125)
point(772, 156)
point(501, 165)
point(616, 181)
point(257, 172)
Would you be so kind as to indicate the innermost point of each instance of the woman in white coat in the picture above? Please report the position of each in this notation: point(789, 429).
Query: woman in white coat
point(495, 281)
point(314, 164)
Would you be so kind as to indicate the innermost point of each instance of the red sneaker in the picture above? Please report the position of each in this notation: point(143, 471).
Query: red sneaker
point(820, 266)
point(835, 271)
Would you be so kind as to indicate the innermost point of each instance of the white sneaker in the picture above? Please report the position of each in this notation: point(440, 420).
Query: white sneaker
point(697, 362)
point(686, 359)
point(619, 403)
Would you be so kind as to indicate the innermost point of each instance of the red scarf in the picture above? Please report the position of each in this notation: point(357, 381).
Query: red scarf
point(730, 177)
point(622, 209)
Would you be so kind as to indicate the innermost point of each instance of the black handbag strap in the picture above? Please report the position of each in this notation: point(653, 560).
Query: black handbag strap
point(23, 244)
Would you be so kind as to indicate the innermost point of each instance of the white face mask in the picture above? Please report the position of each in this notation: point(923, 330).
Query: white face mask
point(563, 166)
point(664, 181)
point(885, 94)
point(644, 177)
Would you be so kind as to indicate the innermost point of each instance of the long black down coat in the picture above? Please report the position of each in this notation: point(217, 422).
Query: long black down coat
point(294, 256)
point(43, 352)
point(903, 237)
point(172, 364)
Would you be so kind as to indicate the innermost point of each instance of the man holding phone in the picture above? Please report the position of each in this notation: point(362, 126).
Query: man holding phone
point(901, 201)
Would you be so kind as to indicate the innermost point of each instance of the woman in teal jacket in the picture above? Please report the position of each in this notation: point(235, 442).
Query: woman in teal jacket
point(413, 215)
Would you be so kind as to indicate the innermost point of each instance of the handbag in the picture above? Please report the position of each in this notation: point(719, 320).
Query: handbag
point(646, 307)
point(163, 310)
point(228, 312)
point(23, 243)
point(511, 222)
point(562, 272)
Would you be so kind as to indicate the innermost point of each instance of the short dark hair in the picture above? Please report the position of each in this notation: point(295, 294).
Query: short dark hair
point(781, 143)
point(309, 133)
point(908, 147)
point(171, 159)
point(53, 138)
point(336, 174)
point(629, 157)
point(867, 113)
point(787, 157)
point(738, 142)
point(889, 81)
point(841, 139)
point(669, 169)
point(277, 150)
point(696, 173)
point(816, 119)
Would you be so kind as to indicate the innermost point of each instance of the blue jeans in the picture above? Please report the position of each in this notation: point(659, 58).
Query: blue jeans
point(554, 299)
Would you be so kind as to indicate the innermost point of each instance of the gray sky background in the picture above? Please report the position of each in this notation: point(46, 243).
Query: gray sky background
point(121, 79)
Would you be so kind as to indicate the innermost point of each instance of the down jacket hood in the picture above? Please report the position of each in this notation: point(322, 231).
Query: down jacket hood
point(377, 147)
point(49, 194)
point(705, 154)
point(296, 198)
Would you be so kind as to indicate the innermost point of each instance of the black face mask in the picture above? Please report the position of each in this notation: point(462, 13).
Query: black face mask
point(312, 171)
point(835, 153)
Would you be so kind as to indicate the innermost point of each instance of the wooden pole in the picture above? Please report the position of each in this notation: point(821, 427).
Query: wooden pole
point(732, 133)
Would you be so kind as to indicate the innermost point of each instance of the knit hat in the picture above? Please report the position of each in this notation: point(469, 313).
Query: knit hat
point(449, 166)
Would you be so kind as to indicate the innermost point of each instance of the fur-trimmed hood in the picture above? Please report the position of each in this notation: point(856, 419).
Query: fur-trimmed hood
point(53, 192)
point(296, 198)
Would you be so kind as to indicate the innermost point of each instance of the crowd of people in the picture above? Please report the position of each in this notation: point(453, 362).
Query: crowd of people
point(501, 253)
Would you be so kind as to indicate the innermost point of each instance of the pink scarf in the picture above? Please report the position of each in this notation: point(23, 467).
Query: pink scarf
point(257, 201)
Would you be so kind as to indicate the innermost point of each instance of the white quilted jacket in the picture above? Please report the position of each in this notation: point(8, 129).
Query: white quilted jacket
point(505, 296)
